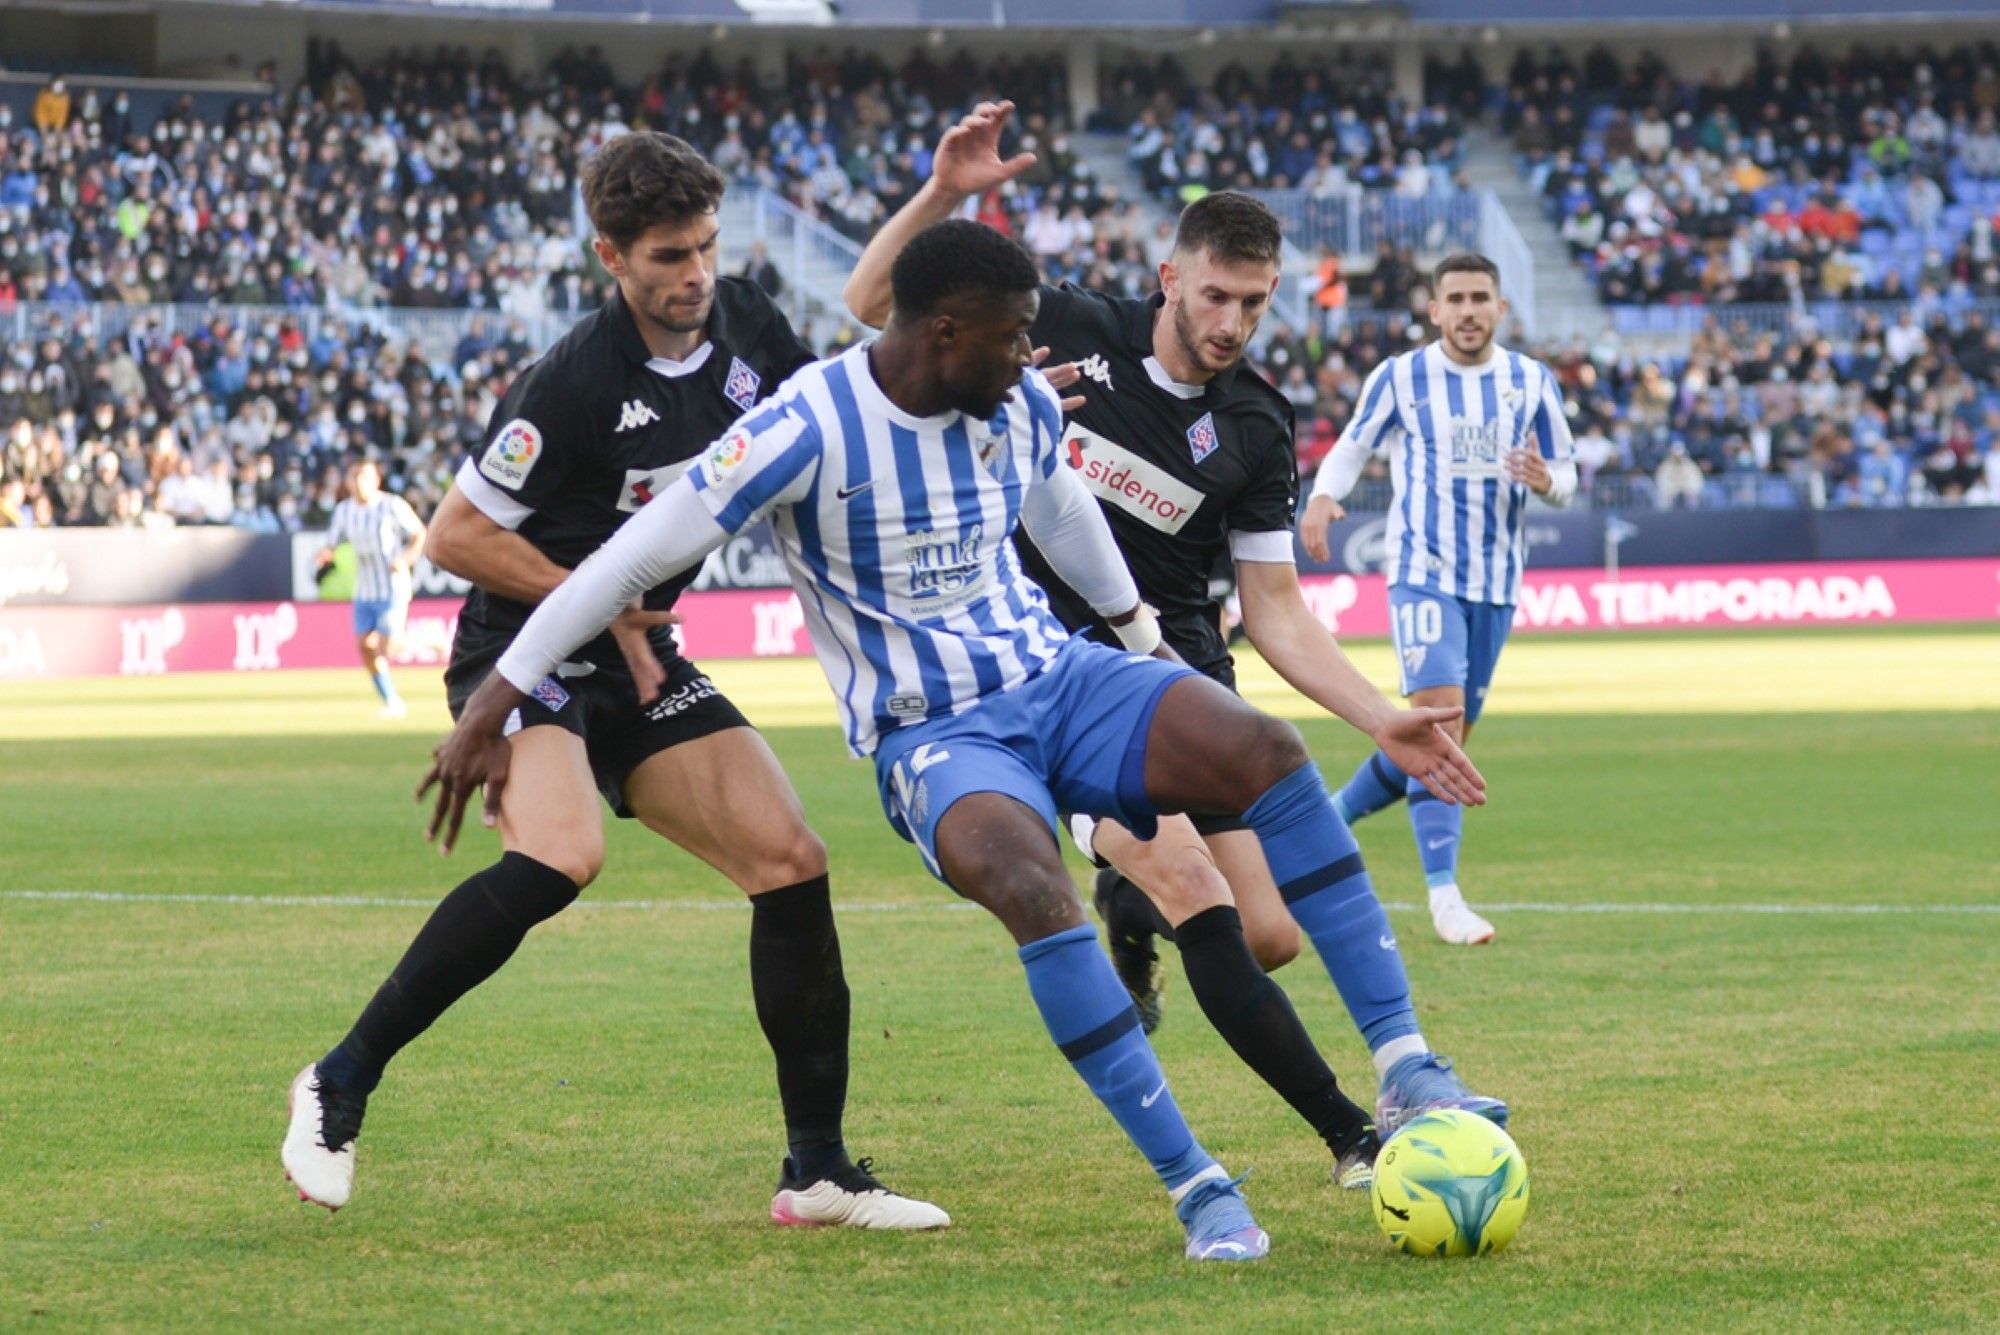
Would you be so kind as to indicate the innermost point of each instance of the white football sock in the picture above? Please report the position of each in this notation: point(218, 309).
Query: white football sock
point(1395, 1050)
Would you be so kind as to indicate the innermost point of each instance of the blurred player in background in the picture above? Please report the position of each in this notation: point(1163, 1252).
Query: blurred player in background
point(1190, 461)
point(583, 440)
point(1471, 429)
point(387, 538)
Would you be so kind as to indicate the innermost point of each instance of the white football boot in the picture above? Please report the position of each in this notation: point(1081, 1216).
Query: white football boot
point(850, 1197)
point(1455, 921)
point(319, 1145)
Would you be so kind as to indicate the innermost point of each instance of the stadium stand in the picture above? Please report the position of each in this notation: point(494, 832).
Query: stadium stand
point(439, 188)
point(1873, 176)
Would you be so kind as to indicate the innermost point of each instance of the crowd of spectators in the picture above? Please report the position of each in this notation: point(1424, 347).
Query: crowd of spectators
point(1875, 175)
point(247, 426)
point(1903, 414)
point(1329, 128)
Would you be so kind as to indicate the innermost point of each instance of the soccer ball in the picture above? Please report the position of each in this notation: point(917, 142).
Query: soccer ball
point(1450, 1183)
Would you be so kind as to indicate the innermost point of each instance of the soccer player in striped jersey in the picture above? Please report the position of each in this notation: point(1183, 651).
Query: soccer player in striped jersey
point(1190, 458)
point(1471, 429)
point(895, 476)
point(386, 536)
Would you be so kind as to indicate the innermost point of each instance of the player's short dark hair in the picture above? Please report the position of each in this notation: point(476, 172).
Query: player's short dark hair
point(954, 257)
point(644, 179)
point(1232, 227)
point(1465, 261)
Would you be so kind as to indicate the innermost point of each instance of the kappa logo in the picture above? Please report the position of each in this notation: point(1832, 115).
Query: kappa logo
point(1094, 367)
point(741, 386)
point(636, 413)
point(1202, 438)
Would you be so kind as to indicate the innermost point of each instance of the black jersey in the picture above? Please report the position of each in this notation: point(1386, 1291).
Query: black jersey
point(1183, 473)
point(596, 427)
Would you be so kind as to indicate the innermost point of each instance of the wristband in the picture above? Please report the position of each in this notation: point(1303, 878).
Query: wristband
point(1142, 633)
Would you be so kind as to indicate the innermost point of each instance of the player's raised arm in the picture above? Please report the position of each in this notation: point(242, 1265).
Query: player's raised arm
point(967, 162)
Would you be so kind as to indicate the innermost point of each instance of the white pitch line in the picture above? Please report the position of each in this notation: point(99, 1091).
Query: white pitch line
point(942, 905)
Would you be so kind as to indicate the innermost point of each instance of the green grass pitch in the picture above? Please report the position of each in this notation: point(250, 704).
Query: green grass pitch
point(1735, 1118)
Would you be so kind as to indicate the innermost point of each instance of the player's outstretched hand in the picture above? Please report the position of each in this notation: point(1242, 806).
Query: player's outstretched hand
point(967, 161)
point(472, 757)
point(1060, 377)
point(629, 630)
point(1416, 743)
point(1320, 511)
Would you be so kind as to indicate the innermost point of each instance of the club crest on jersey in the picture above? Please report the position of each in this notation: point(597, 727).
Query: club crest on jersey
point(1202, 438)
point(741, 386)
point(512, 455)
point(550, 693)
point(1413, 658)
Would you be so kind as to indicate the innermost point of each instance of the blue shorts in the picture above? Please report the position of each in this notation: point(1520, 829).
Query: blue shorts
point(385, 618)
point(1072, 737)
point(1446, 641)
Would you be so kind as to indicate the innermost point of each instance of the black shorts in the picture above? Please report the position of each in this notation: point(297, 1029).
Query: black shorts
point(602, 707)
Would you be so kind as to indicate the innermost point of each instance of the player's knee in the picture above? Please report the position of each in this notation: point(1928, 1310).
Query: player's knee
point(1273, 944)
point(1185, 884)
point(1276, 749)
point(580, 861)
point(1033, 900)
point(796, 855)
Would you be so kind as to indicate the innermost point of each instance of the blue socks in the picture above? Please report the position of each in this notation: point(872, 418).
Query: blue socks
point(1437, 826)
point(1318, 868)
point(1377, 784)
point(383, 687)
point(1089, 1015)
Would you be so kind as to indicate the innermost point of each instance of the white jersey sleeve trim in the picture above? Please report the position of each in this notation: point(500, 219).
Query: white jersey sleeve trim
point(1274, 548)
point(671, 533)
point(1066, 522)
point(489, 500)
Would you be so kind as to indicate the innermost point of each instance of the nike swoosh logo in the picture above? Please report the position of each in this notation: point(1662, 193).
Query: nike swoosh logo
point(849, 493)
point(1387, 942)
point(1437, 843)
point(1153, 1097)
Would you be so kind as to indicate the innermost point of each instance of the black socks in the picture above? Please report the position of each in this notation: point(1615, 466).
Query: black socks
point(471, 933)
point(1256, 1019)
point(802, 1004)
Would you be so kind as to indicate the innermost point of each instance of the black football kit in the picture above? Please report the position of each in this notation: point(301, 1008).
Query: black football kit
point(584, 437)
point(1186, 474)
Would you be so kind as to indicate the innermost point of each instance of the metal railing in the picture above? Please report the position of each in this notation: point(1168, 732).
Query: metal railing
point(1356, 222)
point(814, 258)
point(435, 333)
point(1501, 241)
point(1837, 320)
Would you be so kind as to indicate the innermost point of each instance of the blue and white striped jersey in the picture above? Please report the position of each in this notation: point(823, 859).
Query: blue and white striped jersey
point(895, 529)
point(378, 530)
point(1456, 525)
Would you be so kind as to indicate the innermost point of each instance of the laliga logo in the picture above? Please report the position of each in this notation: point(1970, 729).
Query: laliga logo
point(146, 640)
point(259, 636)
point(1367, 547)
